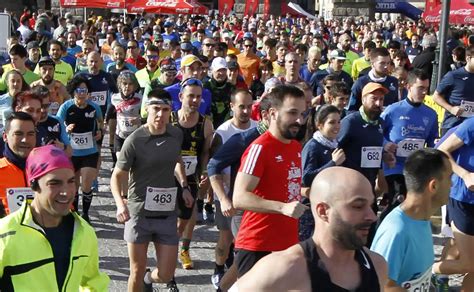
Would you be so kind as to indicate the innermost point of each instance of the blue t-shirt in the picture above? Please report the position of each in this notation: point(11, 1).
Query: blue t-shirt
point(170, 37)
point(405, 121)
point(85, 119)
point(305, 74)
point(360, 142)
point(456, 86)
point(391, 83)
point(407, 246)
point(73, 51)
point(413, 52)
point(204, 108)
point(101, 88)
point(465, 159)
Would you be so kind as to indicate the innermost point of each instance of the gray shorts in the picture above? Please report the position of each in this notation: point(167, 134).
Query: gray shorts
point(140, 229)
point(235, 225)
point(222, 222)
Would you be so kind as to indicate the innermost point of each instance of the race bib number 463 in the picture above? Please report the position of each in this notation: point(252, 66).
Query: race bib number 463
point(370, 157)
point(160, 199)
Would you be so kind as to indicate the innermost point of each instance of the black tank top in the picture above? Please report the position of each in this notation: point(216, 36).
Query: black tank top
point(320, 280)
point(193, 139)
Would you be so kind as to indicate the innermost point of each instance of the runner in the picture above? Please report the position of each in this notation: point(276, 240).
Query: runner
point(241, 106)
point(268, 183)
point(20, 139)
point(18, 56)
point(379, 61)
point(151, 70)
point(408, 126)
point(148, 205)
point(58, 92)
point(55, 249)
point(404, 238)
point(454, 93)
point(334, 258)
point(83, 120)
point(460, 204)
point(118, 65)
point(62, 71)
point(337, 58)
point(15, 84)
point(197, 134)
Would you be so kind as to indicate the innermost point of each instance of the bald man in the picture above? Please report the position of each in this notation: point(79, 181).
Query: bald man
point(335, 258)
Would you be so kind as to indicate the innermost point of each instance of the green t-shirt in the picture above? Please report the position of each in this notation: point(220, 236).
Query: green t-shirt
point(62, 72)
point(28, 76)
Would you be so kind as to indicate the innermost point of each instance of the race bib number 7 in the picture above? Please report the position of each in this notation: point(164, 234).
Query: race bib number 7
point(371, 157)
point(160, 199)
point(16, 197)
point(190, 163)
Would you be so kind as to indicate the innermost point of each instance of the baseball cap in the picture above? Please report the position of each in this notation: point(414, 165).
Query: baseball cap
point(167, 65)
point(271, 83)
point(218, 63)
point(45, 159)
point(337, 54)
point(45, 61)
point(232, 65)
point(32, 45)
point(372, 87)
point(168, 24)
point(188, 60)
point(186, 46)
point(248, 35)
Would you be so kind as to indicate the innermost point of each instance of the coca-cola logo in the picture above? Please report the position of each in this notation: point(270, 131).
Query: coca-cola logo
point(461, 12)
point(154, 3)
point(182, 10)
point(469, 19)
point(70, 2)
point(432, 18)
point(113, 4)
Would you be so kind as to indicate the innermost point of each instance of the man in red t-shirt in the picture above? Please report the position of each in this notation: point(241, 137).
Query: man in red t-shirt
point(268, 185)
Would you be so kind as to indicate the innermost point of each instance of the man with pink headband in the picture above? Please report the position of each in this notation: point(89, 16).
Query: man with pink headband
point(44, 246)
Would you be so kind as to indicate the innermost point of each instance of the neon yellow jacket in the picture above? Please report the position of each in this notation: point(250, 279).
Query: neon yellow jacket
point(26, 257)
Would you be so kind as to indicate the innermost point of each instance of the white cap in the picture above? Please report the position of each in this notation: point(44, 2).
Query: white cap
point(218, 63)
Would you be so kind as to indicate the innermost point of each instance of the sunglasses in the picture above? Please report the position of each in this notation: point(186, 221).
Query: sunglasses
point(152, 57)
point(131, 47)
point(191, 81)
point(81, 90)
point(209, 45)
point(248, 46)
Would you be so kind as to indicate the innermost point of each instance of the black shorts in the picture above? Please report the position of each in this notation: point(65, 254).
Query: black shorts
point(462, 215)
point(246, 259)
point(183, 211)
point(85, 161)
point(118, 143)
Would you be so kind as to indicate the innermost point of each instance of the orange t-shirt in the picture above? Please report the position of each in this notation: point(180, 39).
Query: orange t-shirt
point(248, 67)
point(10, 177)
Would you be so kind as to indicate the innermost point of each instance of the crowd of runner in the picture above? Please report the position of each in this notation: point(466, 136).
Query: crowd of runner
point(313, 146)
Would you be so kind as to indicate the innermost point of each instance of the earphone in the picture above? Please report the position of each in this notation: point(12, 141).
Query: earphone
point(34, 185)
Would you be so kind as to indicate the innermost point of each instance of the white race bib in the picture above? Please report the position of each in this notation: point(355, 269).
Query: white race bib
point(99, 97)
point(126, 124)
point(370, 157)
point(160, 199)
point(190, 163)
point(468, 107)
point(16, 197)
point(81, 141)
point(408, 146)
point(421, 284)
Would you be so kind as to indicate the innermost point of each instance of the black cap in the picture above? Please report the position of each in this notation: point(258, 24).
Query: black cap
point(32, 45)
point(232, 65)
point(45, 61)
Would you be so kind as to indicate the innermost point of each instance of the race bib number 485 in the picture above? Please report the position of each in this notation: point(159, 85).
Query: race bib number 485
point(160, 199)
point(408, 146)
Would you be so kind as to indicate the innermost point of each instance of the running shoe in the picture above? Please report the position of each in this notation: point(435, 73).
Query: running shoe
point(147, 287)
point(185, 260)
point(172, 287)
point(441, 284)
point(216, 279)
point(95, 185)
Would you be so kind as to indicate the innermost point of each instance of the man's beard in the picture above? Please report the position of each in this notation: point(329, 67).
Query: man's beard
point(346, 235)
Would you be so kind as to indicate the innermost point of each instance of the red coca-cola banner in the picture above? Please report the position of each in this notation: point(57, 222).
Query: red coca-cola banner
point(93, 3)
point(226, 6)
point(461, 12)
point(251, 7)
point(166, 6)
point(430, 5)
point(266, 8)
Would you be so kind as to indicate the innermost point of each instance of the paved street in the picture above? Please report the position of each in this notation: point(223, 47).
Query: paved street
point(113, 250)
